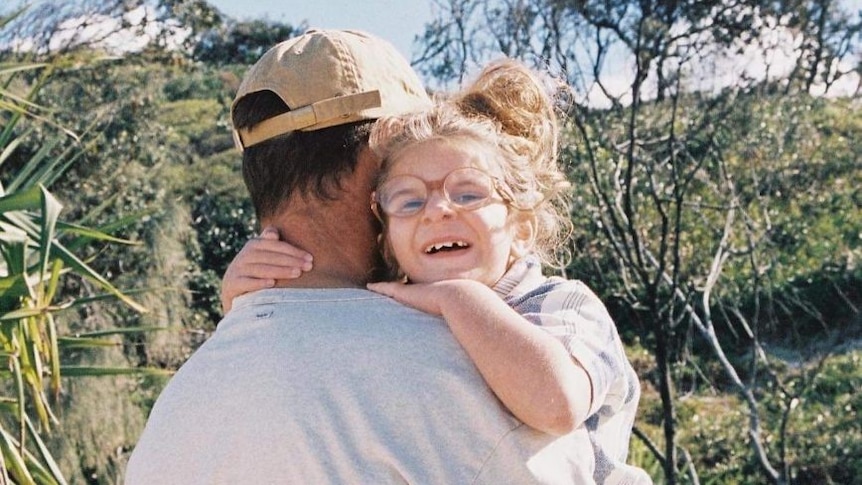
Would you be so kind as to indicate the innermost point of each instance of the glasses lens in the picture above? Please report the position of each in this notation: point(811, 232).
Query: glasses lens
point(405, 195)
point(468, 188)
point(402, 196)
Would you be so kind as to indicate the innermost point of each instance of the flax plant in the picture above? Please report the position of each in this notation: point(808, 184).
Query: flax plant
point(38, 251)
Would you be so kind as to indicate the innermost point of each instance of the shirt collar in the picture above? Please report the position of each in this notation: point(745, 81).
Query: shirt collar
point(519, 277)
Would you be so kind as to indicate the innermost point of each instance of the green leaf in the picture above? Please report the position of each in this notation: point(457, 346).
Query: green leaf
point(13, 461)
point(93, 371)
point(121, 331)
point(54, 281)
point(84, 270)
point(13, 244)
point(19, 387)
point(121, 222)
point(24, 178)
point(8, 405)
point(54, 352)
point(5, 19)
point(27, 199)
point(12, 289)
point(51, 208)
point(28, 312)
point(83, 343)
point(86, 300)
point(91, 234)
point(8, 150)
point(48, 173)
point(53, 471)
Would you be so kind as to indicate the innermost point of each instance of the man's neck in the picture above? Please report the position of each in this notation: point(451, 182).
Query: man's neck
point(344, 248)
point(340, 233)
point(318, 280)
point(327, 273)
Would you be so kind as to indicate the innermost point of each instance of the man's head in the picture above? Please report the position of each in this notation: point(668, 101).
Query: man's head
point(303, 112)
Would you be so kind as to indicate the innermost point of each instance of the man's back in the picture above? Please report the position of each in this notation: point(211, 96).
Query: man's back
point(338, 386)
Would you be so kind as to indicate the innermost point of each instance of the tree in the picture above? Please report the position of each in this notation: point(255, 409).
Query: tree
point(242, 42)
point(113, 26)
point(601, 46)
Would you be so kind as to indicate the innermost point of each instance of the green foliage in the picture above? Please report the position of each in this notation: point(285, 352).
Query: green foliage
point(797, 180)
point(791, 274)
point(824, 434)
point(196, 84)
point(242, 42)
point(38, 253)
point(823, 425)
point(817, 404)
point(223, 219)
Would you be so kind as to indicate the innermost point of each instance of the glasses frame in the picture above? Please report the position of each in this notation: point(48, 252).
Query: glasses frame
point(499, 187)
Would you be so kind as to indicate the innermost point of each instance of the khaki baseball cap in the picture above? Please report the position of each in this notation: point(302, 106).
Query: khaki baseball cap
point(329, 78)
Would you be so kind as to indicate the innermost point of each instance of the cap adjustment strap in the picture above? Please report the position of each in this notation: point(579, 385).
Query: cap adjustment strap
point(319, 112)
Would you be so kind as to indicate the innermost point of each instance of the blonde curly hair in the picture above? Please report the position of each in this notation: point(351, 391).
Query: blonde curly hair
point(511, 109)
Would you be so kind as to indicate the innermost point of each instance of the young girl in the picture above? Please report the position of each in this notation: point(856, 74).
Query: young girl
point(472, 201)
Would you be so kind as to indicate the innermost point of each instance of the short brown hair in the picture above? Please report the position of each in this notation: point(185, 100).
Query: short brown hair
point(308, 163)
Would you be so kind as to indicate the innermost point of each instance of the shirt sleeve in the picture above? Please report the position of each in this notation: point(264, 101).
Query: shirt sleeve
point(572, 313)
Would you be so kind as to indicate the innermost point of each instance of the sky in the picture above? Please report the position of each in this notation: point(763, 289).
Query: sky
point(400, 21)
point(397, 21)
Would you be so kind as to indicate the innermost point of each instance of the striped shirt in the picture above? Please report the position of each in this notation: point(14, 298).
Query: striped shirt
point(571, 312)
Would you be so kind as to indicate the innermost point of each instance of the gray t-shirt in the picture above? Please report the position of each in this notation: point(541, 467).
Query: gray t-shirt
point(340, 386)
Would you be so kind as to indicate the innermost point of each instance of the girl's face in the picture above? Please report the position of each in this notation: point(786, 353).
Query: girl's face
point(442, 241)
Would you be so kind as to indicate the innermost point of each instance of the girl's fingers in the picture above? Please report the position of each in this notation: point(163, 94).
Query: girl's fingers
point(388, 289)
point(246, 263)
point(269, 232)
point(268, 240)
point(407, 294)
point(247, 285)
point(261, 262)
point(419, 296)
point(239, 285)
point(265, 248)
point(285, 269)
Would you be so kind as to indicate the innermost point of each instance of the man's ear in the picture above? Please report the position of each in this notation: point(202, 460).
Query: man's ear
point(524, 236)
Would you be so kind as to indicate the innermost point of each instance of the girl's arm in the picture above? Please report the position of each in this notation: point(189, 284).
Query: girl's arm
point(529, 370)
point(261, 262)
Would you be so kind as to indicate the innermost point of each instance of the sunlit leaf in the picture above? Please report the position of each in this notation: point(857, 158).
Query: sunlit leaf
point(83, 343)
point(91, 234)
point(13, 460)
point(24, 178)
point(51, 208)
point(27, 199)
point(84, 270)
point(93, 371)
point(52, 472)
point(27, 313)
point(121, 331)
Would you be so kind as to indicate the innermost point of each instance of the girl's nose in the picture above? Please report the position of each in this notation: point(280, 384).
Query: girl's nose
point(437, 206)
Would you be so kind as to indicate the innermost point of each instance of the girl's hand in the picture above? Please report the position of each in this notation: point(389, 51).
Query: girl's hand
point(429, 297)
point(419, 296)
point(261, 262)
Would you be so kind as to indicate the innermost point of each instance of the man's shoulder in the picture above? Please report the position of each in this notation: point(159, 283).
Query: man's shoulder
point(301, 295)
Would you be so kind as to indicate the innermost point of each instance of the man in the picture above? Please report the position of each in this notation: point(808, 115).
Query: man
point(319, 380)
